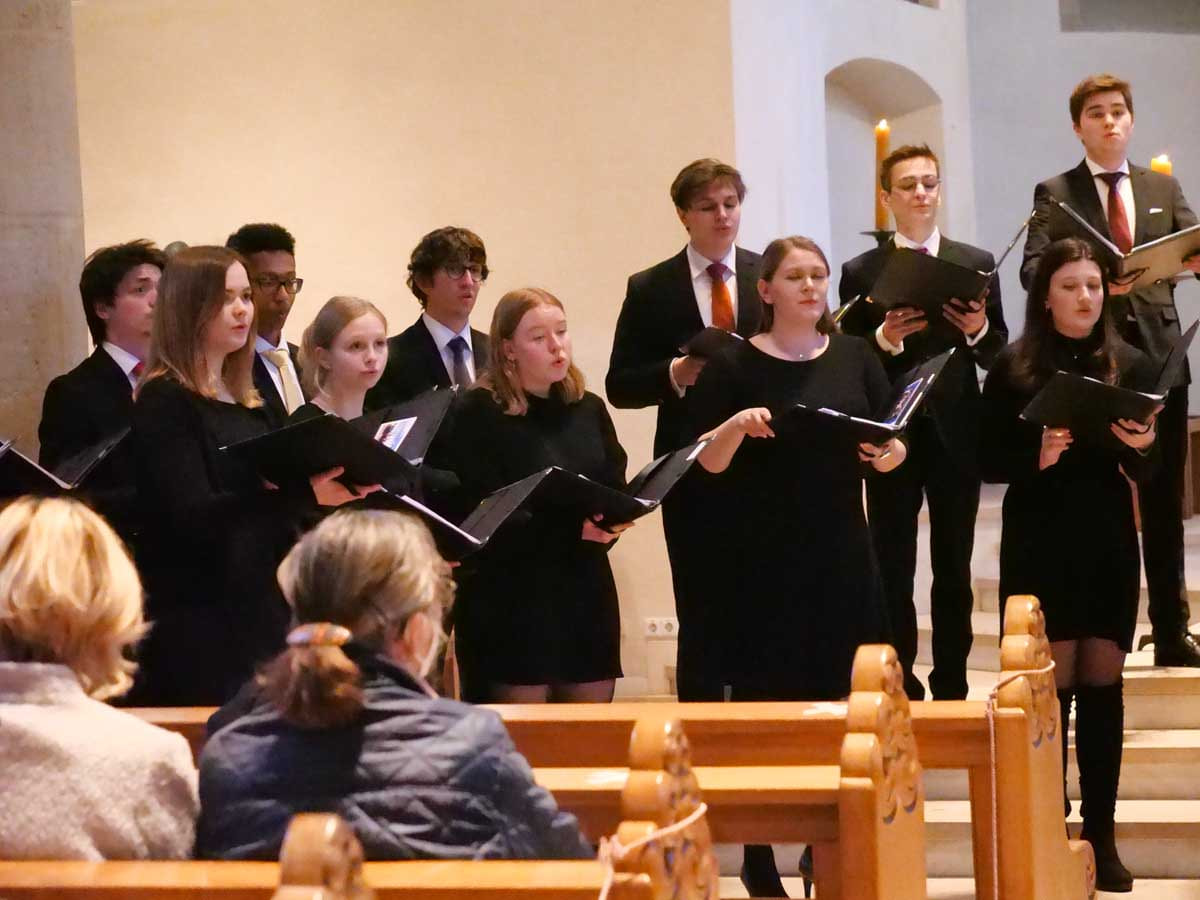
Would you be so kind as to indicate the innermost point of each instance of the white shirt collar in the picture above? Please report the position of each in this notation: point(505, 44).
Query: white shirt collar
point(262, 345)
point(1096, 169)
point(699, 264)
point(933, 243)
point(121, 357)
point(442, 335)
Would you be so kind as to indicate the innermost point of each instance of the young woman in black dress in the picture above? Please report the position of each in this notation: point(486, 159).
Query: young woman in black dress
point(214, 530)
point(537, 617)
point(342, 356)
point(1068, 535)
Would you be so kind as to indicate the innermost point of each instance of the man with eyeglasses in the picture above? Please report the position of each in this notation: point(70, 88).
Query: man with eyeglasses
point(445, 272)
point(270, 254)
point(941, 467)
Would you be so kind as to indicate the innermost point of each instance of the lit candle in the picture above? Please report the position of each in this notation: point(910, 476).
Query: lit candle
point(882, 133)
point(1161, 164)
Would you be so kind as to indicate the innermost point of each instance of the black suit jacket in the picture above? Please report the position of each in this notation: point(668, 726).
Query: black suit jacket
point(658, 316)
point(414, 365)
point(1146, 317)
point(954, 401)
point(80, 410)
point(276, 408)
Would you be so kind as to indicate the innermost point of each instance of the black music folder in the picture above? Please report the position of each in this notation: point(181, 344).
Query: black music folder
point(21, 475)
point(1087, 405)
point(559, 490)
point(710, 342)
point(452, 541)
point(1144, 264)
point(416, 422)
point(294, 453)
point(913, 389)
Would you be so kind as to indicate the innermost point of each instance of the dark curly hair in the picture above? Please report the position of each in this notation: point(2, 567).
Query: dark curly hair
point(445, 247)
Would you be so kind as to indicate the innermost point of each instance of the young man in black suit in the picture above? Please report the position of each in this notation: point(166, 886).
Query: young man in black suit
point(94, 401)
point(1131, 206)
point(441, 349)
point(270, 254)
point(709, 282)
point(941, 464)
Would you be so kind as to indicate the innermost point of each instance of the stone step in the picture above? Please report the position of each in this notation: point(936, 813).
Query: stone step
point(1157, 838)
point(1157, 765)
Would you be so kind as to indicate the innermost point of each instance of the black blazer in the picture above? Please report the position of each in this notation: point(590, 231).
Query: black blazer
point(954, 402)
point(415, 365)
point(1146, 317)
point(276, 409)
point(658, 316)
point(82, 408)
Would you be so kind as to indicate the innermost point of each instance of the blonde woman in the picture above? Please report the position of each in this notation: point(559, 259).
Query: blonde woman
point(342, 356)
point(537, 615)
point(80, 780)
point(214, 530)
point(345, 721)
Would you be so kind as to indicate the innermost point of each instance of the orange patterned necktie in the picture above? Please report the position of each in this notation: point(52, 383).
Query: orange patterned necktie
point(722, 303)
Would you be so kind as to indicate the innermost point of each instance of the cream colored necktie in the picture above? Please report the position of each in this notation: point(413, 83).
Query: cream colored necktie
point(291, 397)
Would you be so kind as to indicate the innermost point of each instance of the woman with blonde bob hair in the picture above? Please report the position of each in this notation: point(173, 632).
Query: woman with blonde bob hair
point(344, 720)
point(214, 530)
point(537, 617)
point(80, 780)
point(342, 356)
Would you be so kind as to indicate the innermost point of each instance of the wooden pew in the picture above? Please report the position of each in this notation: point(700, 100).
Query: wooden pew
point(949, 735)
point(322, 859)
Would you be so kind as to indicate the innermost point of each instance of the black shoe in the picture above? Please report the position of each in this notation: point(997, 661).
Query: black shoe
point(1111, 874)
point(806, 870)
point(1179, 651)
point(759, 875)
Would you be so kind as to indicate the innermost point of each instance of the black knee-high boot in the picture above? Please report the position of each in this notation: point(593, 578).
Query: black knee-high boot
point(1099, 732)
point(1065, 696)
point(759, 875)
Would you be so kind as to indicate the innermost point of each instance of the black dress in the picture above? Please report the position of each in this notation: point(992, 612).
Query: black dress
point(802, 585)
point(213, 538)
point(1068, 531)
point(538, 605)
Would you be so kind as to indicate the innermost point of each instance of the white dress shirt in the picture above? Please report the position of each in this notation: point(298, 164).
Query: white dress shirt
point(1124, 188)
point(442, 336)
point(702, 285)
point(262, 346)
point(123, 358)
point(931, 245)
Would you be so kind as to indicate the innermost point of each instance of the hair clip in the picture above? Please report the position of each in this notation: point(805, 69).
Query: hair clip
point(318, 634)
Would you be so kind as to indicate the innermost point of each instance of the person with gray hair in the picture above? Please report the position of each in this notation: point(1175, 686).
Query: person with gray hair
point(344, 721)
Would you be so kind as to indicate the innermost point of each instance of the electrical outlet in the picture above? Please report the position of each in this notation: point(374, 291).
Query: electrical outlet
point(662, 627)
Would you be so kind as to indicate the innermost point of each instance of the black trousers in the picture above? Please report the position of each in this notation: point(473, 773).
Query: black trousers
point(702, 641)
point(893, 505)
point(1160, 501)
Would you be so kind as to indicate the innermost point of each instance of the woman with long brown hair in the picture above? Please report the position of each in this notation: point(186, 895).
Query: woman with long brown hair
point(537, 615)
point(214, 530)
point(1069, 536)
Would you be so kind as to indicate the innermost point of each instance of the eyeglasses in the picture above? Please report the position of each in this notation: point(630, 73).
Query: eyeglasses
point(908, 185)
point(270, 284)
point(479, 273)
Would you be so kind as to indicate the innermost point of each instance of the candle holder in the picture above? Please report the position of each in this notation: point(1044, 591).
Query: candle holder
point(881, 235)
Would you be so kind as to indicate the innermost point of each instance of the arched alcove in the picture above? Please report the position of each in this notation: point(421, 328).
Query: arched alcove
point(858, 94)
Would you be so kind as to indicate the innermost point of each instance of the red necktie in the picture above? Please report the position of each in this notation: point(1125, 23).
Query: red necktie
point(722, 304)
point(924, 250)
point(1118, 224)
point(137, 369)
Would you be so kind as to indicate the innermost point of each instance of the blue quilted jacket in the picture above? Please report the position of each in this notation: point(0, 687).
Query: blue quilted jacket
point(417, 778)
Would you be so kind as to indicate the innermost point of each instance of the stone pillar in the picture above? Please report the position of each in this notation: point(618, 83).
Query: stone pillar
point(42, 329)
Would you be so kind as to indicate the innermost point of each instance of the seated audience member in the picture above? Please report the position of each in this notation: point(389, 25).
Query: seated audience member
point(342, 355)
point(270, 254)
point(80, 780)
point(94, 401)
point(345, 721)
point(441, 348)
point(215, 530)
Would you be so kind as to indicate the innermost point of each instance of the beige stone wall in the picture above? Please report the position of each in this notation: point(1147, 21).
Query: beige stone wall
point(551, 127)
point(41, 217)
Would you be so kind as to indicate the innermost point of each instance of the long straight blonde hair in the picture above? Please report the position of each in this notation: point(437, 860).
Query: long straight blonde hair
point(336, 314)
point(190, 295)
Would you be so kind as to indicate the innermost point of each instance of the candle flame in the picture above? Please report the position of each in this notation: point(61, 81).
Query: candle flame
point(882, 126)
